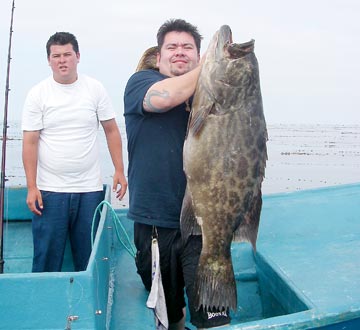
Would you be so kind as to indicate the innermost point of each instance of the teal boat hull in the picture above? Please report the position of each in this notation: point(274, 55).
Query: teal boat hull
point(57, 300)
point(305, 273)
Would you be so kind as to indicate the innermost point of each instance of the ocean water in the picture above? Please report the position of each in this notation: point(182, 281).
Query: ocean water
point(311, 156)
point(299, 157)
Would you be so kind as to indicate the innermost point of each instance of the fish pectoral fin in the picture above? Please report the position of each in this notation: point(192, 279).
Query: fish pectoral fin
point(248, 228)
point(188, 223)
point(198, 119)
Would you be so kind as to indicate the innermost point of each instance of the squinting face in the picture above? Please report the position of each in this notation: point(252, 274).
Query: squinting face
point(63, 62)
point(178, 54)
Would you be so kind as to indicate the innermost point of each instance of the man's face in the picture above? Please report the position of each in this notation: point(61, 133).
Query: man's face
point(63, 62)
point(178, 54)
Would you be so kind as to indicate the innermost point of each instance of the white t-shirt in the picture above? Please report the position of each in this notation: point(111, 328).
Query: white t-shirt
point(68, 119)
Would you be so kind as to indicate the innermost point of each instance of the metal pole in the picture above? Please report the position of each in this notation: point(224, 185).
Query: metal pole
point(4, 140)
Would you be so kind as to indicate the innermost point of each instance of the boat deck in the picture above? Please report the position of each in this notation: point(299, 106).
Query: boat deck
point(305, 274)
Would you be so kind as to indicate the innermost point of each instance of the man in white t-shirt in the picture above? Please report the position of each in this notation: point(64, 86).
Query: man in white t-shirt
point(60, 122)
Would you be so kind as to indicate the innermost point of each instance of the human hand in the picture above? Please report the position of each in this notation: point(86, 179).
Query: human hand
point(34, 201)
point(119, 179)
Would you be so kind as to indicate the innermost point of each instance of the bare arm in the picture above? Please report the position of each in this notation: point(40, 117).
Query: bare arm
point(30, 158)
point(170, 92)
point(114, 143)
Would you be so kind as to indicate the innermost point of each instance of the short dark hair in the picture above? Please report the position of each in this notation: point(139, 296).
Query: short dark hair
point(62, 38)
point(178, 25)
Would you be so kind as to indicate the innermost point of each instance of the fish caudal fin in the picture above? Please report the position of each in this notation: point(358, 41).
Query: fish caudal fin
point(148, 60)
point(215, 287)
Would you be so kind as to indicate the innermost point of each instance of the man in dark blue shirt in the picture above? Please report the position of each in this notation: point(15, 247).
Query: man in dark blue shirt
point(155, 143)
point(156, 114)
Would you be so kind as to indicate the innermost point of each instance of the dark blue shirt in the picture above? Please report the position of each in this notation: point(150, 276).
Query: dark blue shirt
point(155, 146)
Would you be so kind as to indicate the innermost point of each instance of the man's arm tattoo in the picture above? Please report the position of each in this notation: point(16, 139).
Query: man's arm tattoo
point(147, 100)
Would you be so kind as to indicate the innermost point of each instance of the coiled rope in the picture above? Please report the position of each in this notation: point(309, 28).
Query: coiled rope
point(120, 231)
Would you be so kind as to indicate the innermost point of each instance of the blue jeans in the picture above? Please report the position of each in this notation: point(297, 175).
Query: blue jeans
point(64, 215)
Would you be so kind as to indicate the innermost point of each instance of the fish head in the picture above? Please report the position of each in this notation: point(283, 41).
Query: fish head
point(231, 69)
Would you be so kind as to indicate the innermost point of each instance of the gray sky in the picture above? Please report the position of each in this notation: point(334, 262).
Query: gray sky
point(308, 51)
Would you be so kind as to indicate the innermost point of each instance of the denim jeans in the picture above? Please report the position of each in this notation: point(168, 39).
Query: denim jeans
point(64, 215)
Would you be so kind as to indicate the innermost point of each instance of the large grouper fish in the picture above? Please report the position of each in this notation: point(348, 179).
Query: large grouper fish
point(224, 162)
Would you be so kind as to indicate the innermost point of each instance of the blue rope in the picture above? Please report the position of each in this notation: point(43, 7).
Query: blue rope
point(124, 238)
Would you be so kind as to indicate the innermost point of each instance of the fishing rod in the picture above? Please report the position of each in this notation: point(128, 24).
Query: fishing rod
point(4, 139)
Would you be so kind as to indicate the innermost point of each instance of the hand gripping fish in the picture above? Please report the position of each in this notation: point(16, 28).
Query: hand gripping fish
point(224, 162)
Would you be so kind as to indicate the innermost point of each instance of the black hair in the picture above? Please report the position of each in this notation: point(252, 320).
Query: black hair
point(62, 38)
point(178, 25)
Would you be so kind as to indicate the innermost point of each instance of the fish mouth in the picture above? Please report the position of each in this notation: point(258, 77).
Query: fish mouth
point(232, 50)
point(225, 36)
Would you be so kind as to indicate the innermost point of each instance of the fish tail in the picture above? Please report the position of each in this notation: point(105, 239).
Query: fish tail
point(215, 287)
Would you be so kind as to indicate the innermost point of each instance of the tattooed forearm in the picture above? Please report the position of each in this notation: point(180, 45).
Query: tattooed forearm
point(147, 100)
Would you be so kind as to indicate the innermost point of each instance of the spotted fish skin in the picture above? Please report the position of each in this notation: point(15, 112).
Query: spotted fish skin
point(224, 162)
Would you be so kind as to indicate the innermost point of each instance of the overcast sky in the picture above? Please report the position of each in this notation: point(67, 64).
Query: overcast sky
point(308, 51)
